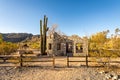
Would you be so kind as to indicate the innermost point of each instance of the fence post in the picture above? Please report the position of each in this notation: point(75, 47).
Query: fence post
point(86, 39)
point(87, 60)
point(53, 60)
point(4, 58)
point(67, 60)
point(21, 60)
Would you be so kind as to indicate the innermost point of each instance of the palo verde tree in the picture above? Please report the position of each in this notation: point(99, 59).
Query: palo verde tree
point(97, 41)
point(43, 33)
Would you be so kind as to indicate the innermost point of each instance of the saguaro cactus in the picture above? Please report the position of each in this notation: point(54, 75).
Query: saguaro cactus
point(41, 35)
point(43, 32)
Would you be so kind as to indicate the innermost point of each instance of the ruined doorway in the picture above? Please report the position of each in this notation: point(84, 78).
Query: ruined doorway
point(69, 48)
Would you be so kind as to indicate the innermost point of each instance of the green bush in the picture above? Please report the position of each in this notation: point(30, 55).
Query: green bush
point(6, 48)
point(105, 53)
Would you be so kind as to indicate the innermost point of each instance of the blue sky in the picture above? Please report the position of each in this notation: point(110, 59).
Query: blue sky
point(81, 17)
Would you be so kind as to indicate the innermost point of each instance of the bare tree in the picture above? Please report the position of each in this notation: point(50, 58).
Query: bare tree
point(52, 29)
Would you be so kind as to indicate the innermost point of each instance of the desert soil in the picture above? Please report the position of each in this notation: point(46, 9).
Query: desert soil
point(49, 73)
point(77, 71)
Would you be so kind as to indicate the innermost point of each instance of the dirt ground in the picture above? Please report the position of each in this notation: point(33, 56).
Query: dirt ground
point(45, 71)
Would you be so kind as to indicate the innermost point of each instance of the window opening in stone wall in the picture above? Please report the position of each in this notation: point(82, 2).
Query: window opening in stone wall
point(79, 48)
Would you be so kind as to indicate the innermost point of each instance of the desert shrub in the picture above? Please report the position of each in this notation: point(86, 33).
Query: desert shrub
point(35, 45)
point(104, 53)
point(93, 53)
point(7, 48)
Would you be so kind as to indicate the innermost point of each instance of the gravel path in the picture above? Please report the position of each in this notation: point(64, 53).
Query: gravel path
point(40, 73)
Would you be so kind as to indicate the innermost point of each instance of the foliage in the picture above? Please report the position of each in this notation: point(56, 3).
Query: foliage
point(6, 48)
point(1, 38)
point(35, 45)
point(101, 45)
point(97, 41)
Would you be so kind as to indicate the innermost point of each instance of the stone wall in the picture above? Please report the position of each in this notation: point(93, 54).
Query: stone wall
point(76, 39)
point(55, 39)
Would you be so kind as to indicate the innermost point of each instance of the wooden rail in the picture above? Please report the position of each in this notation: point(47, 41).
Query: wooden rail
point(21, 59)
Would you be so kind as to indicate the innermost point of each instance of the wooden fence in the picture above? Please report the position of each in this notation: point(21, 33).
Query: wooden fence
point(21, 59)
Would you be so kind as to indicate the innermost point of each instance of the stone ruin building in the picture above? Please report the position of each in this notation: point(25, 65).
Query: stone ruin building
point(62, 45)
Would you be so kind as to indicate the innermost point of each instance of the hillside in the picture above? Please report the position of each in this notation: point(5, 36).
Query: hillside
point(18, 37)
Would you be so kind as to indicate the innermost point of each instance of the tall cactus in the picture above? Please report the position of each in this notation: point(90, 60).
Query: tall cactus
point(41, 35)
point(43, 32)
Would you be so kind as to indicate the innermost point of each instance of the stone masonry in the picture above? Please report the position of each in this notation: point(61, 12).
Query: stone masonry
point(63, 45)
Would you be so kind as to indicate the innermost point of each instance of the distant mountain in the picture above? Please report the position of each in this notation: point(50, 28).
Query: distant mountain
point(16, 37)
